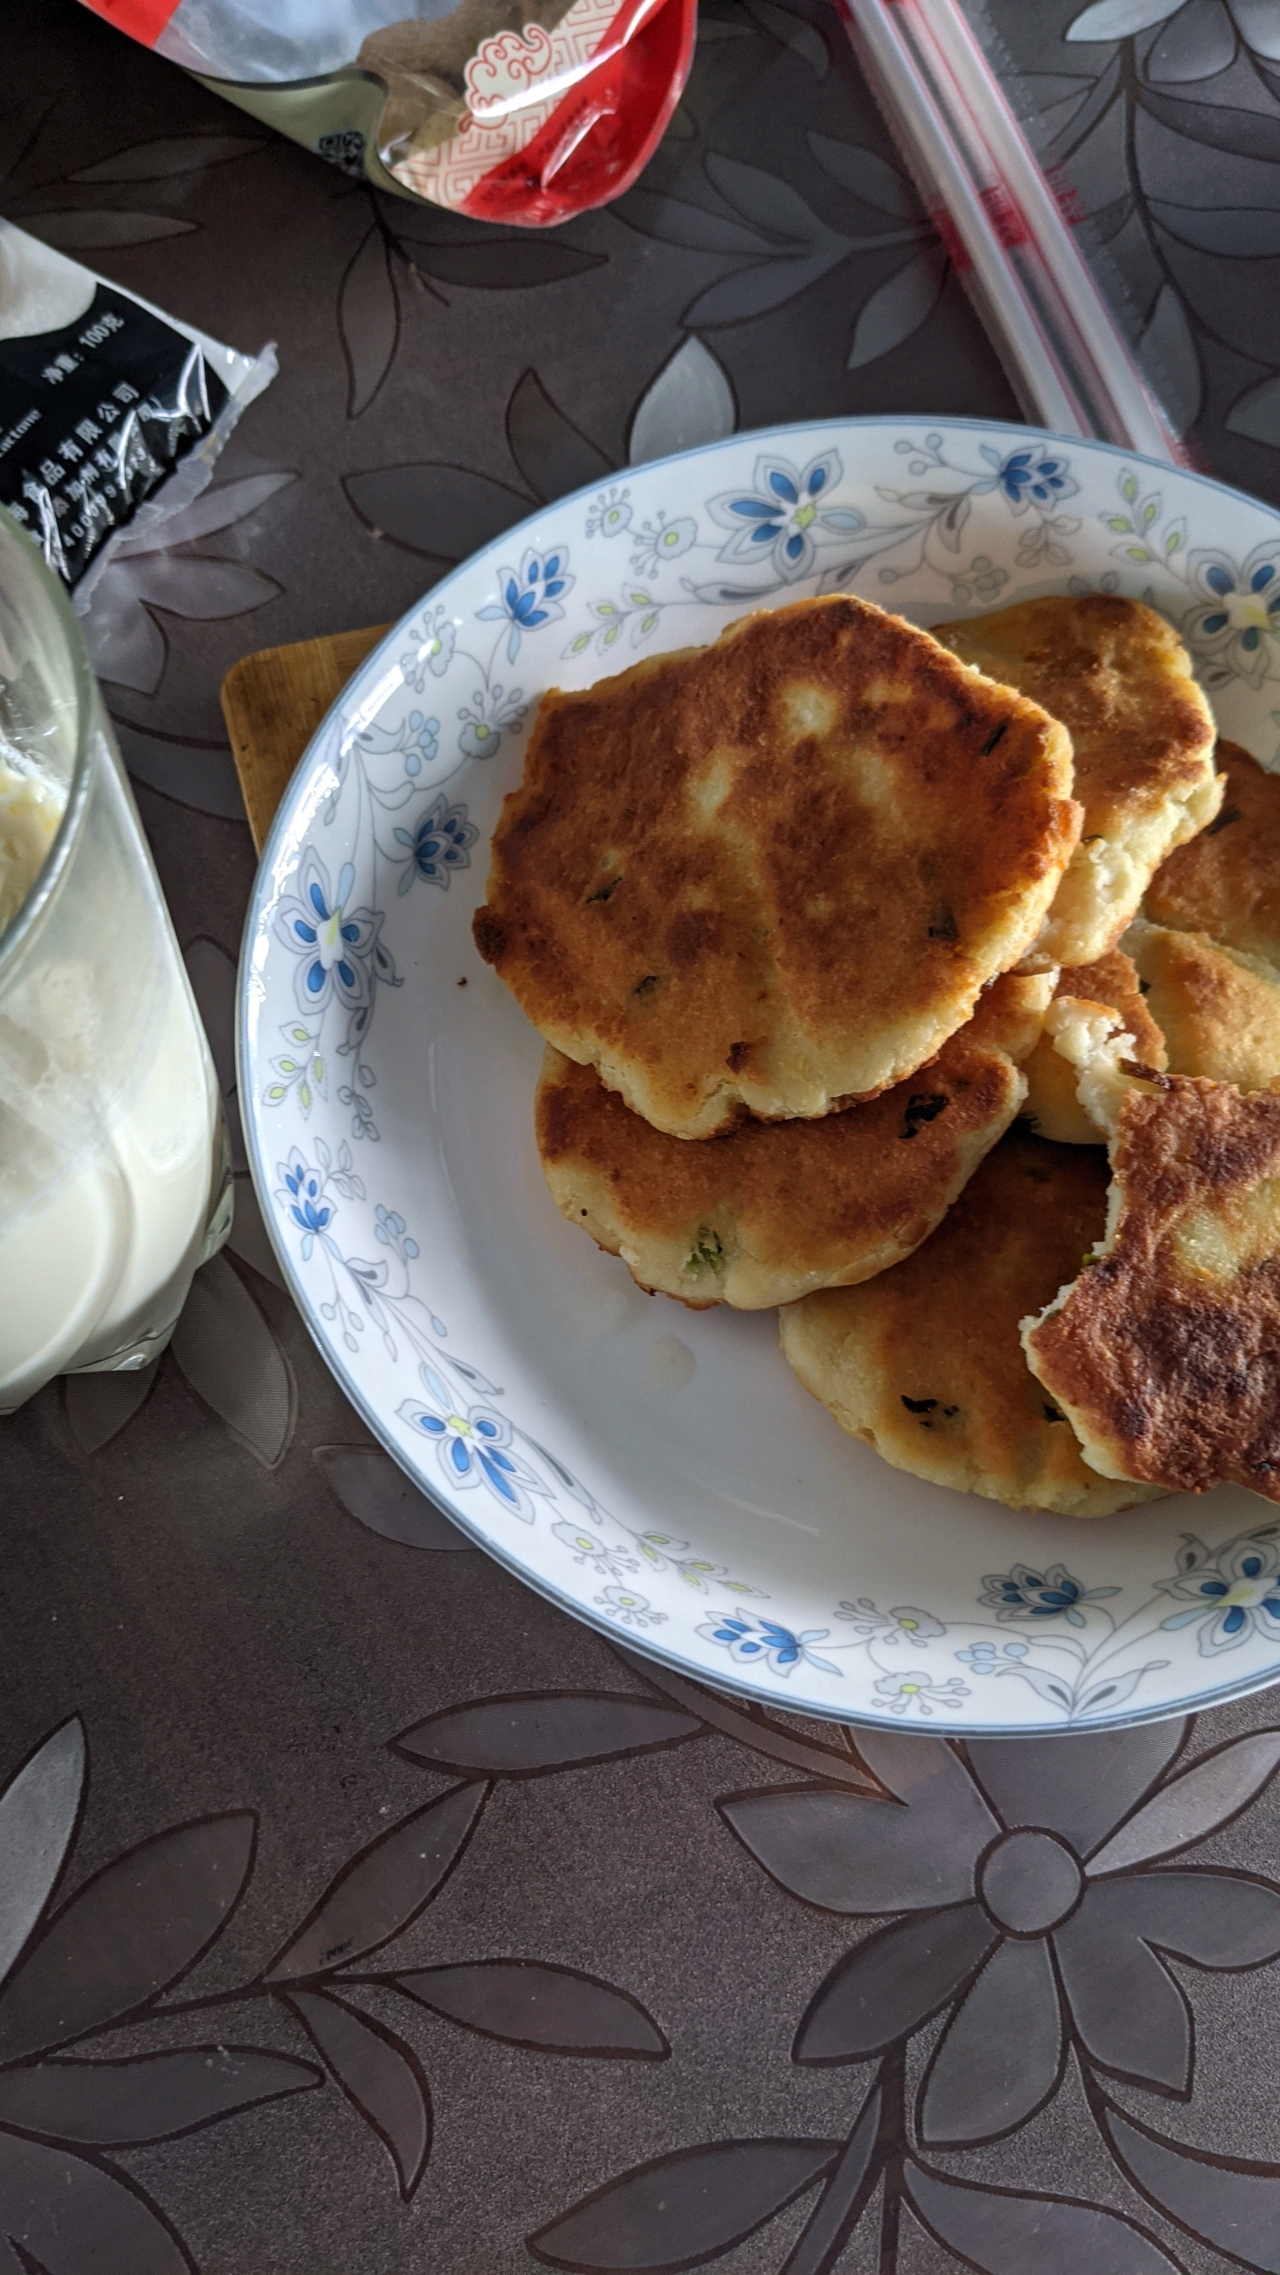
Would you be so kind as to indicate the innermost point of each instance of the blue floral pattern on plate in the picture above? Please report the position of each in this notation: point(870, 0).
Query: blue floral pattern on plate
point(1234, 1590)
point(439, 843)
point(530, 596)
point(784, 516)
point(337, 946)
point(474, 1445)
point(356, 1030)
point(746, 1638)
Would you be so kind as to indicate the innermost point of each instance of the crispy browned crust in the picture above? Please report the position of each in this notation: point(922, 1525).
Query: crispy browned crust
point(1226, 882)
point(1218, 1008)
point(1120, 681)
point(1166, 1352)
point(768, 1210)
point(1052, 1106)
point(1115, 674)
point(777, 871)
point(926, 1362)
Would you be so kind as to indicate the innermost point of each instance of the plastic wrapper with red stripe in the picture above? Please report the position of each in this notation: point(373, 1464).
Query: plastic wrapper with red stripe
point(524, 111)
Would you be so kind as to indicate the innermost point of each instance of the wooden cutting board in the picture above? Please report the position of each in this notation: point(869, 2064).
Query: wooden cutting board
point(274, 701)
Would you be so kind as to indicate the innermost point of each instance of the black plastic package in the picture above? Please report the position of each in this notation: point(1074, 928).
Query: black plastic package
point(116, 411)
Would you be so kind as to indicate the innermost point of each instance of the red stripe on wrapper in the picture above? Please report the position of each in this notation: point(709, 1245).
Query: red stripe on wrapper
point(607, 128)
point(142, 19)
point(1005, 216)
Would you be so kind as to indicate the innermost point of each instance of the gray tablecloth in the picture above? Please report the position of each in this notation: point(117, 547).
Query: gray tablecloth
point(365, 1914)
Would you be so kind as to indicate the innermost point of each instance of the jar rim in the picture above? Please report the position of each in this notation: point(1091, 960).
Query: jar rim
point(29, 919)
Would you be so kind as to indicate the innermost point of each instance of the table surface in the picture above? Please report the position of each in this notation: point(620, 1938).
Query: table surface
point(402, 1924)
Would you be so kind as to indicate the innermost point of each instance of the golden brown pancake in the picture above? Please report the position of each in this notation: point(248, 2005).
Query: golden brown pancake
point(1052, 1107)
point(1219, 1009)
point(1165, 1352)
point(1226, 882)
point(770, 1210)
point(1142, 733)
point(777, 872)
point(925, 1362)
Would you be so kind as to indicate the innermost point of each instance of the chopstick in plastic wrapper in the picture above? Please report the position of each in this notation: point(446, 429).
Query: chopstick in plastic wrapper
point(111, 413)
point(1004, 227)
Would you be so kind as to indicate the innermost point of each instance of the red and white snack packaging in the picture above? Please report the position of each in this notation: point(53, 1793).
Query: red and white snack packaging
point(523, 111)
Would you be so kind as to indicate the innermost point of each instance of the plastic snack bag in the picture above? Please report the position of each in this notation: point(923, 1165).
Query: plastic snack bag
point(524, 111)
point(111, 414)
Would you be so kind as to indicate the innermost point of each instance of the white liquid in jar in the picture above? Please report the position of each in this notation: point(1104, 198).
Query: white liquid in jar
point(101, 1230)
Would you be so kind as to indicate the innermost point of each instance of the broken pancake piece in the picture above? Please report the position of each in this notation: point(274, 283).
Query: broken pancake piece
point(1052, 1106)
point(770, 1210)
point(1142, 733)
point(776, 873)
point(925, 1363)
point(1218, 1009)
point(1165, 1352)
point(1226, 882)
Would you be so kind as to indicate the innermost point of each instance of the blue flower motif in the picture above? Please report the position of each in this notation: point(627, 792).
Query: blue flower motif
point(1051, 1594)
point(301, 1193)
point(440, 844)
point(750, 1640)
point(474, 1446)
point(774, 523)
point(1234, 1591)
point(530, 596)
point(339, 948)
point(1238, 612)
point(421, 742)
point(389, 1229)
point(1036, 474)
point(610, 513)
point(433, 652)
point(981, 1657)
point(917, 1687)
point(414, 738)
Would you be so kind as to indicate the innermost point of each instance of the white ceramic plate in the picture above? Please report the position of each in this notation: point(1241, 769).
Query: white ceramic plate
point(657, 1472)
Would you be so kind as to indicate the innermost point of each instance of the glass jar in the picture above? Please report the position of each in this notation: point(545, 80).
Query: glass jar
point(114, 1179)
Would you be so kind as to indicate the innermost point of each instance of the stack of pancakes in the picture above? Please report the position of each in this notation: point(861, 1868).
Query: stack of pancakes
point(810, 917)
